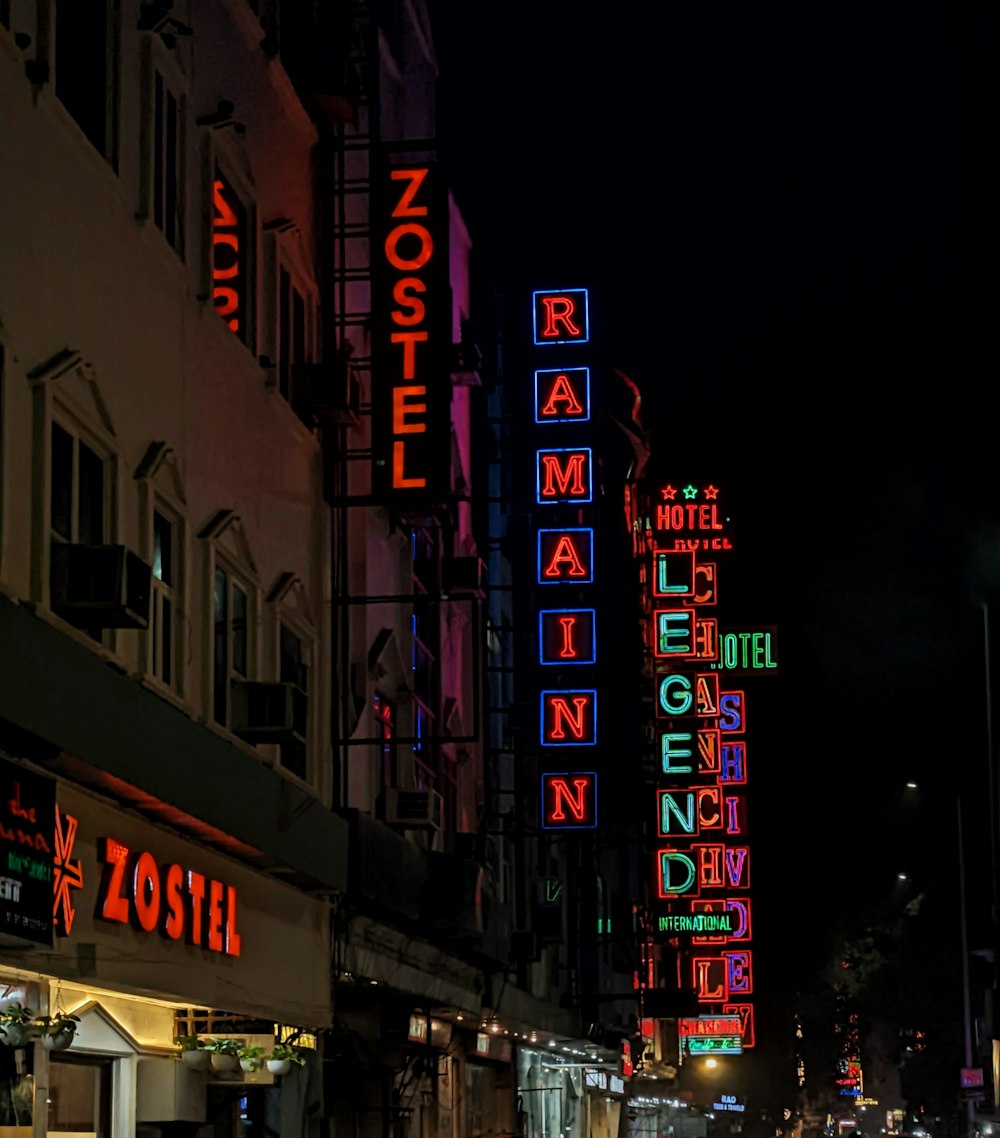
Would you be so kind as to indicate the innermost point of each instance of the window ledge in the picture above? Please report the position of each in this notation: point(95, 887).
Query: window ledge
point(158, 687)
point(75, 634)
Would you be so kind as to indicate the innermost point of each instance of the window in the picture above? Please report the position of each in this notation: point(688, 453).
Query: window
point(164, 639)
point(294, 669)
point(232, 645)
point(292, 339)
point(79, 1095)
point(78, 490)
point(230, 254)
point(86, 61)
point(168, 183)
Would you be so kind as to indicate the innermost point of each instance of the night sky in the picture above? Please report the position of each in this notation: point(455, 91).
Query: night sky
point(785, 212)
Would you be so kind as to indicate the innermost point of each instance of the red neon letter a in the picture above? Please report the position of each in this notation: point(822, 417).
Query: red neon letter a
point(562, 391)
point(565, 555)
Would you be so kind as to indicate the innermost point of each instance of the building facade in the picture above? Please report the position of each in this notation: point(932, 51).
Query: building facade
point(256, 634)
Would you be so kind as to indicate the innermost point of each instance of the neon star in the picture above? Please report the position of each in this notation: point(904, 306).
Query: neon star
point(711, 492)
point(67, 874)
point(669, 493)
point(690, 491)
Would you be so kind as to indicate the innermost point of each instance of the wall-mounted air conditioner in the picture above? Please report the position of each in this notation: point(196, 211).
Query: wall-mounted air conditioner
point(269, 712)
point(99, 586)
point(413, 809)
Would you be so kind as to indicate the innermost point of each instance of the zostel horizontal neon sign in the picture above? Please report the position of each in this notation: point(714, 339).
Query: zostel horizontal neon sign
point(177, 903)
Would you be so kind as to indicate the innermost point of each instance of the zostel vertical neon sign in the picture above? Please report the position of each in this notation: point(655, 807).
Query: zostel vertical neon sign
point(411, 314)
point(564, 481)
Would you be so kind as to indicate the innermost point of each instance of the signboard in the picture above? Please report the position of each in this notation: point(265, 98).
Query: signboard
point(27, 853)
point(714, 1045)
point(411, 342)
point(747, 651)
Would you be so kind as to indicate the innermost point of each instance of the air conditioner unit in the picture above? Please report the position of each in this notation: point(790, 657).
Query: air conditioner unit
point(269, 712)
point(464, 576)
point(333, 391)
point(99, 586)
point(413, 809)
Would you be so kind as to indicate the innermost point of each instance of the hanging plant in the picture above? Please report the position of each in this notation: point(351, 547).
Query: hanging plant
point(225, 1054)
point(57, 1031)
point(193, 1052)
point(280, 1058)
point(17, 1025)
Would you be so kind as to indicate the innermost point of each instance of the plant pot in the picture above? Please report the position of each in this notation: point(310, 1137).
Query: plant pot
point(224, 1064)
point(250, 1065)
point(17, 1034)
point(60, 1040)
point(279, 1066)
point(196, 1059)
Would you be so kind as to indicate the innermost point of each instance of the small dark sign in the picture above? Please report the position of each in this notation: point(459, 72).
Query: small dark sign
point(27, 836)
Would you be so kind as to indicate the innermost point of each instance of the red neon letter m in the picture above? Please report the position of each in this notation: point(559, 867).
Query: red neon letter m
point(562, 478)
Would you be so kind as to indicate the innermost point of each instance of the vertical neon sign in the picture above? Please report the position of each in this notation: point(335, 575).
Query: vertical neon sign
point(567, 632)
point(702, 863)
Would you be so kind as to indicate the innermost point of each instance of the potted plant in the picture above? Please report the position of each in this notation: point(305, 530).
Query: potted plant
point(193, 1051)
point(57, 1031)
point(17, 1023)
point(251, 1056)
point(281, 1057)
point(224, 1054)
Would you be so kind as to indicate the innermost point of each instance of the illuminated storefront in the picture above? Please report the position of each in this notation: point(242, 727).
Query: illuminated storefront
point(152, 932)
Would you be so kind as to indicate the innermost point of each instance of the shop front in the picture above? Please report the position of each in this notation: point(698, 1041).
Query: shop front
point(153, 936)
point(550, 1095)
